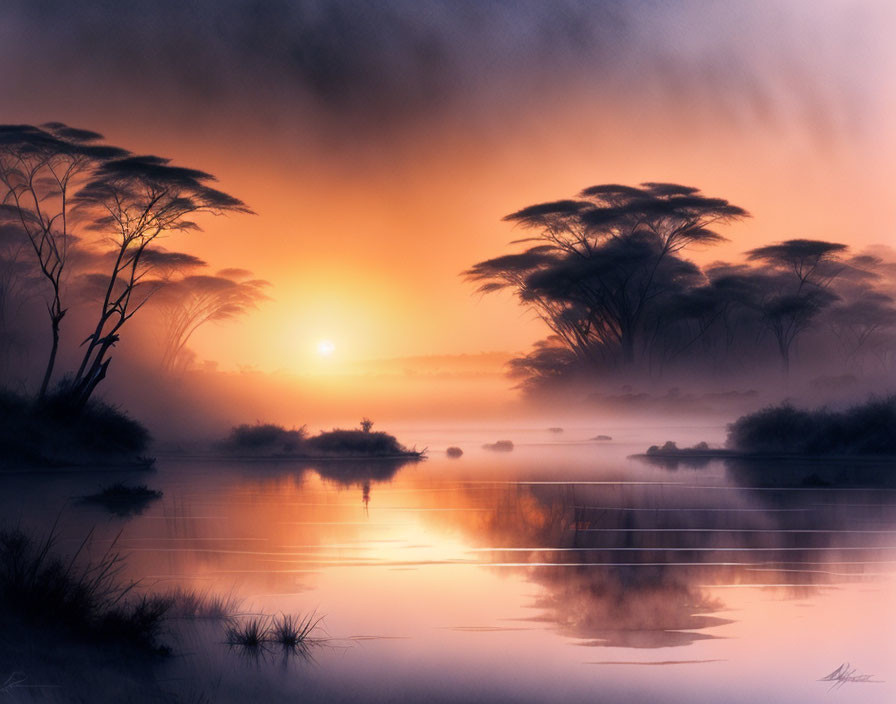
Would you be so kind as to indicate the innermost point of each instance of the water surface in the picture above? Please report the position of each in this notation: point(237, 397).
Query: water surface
point(561, 571)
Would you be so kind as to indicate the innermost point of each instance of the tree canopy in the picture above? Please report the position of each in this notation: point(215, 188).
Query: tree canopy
point(607, 273)
point(61, 189)
point(599, 264)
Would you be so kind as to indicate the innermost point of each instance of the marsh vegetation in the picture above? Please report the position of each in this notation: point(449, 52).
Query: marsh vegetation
point(275, 441)
point(864, 429)
point(74, 596)
point(49, 432)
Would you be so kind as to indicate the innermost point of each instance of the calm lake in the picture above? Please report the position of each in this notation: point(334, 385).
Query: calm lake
point(560, 571)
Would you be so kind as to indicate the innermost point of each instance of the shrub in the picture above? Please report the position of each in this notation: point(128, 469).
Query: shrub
point(51, 431)
point(265, 438)
point(355, 442)
point(190, 604)
point(866, 429)
point(269, 440)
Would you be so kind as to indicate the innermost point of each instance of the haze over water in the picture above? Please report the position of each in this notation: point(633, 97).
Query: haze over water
point(234, 232)
point(559, 571)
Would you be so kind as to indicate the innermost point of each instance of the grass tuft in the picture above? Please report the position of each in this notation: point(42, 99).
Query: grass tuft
point(252, 632)
point(84, 599)
point(188, 604)
point(293, 631)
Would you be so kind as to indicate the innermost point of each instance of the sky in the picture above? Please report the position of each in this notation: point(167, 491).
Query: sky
point(381, 143)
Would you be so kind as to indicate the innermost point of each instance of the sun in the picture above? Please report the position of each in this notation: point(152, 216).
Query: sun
point(325, 348)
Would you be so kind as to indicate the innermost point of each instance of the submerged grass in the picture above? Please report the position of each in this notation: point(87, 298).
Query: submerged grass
point(252, 632)
point(291, 632)
point(187, 604)
point(54, 598)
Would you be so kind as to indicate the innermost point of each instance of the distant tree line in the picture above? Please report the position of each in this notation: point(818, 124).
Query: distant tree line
point(81, 220)
point(607, 273)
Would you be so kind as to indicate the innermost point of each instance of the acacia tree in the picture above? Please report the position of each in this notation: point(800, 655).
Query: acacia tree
point(600, 262)
point(568, 321)
point(40, 167)
point(617, 286)
point(859, 323)
point(188, 303)
point(133, 202)
point(800, 274)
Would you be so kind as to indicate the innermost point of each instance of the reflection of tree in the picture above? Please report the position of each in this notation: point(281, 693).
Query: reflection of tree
point(607, 603)
point(633, 565)
point(349, 473)
point(758, 474)
point(626, 607)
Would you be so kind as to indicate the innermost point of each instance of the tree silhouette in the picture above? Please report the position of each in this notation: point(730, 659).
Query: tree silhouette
point(859, 323)
point(133, 201)
point(797, 286)
point(188, 303)
point(599, 264)
point(40, 167)
point(550, 363)
point(608, 274)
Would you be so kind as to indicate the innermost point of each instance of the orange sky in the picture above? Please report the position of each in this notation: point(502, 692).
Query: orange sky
point(366, 219)
point(369, 255)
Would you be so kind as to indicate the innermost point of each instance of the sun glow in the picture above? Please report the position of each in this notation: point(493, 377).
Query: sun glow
point(325, 348)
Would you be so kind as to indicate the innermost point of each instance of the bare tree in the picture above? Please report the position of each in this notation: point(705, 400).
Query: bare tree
point(39, 169)
point(133, 202)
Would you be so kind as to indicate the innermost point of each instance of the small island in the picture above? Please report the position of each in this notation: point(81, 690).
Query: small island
point(271, 441)
point(783, 431)
point(499, 446)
